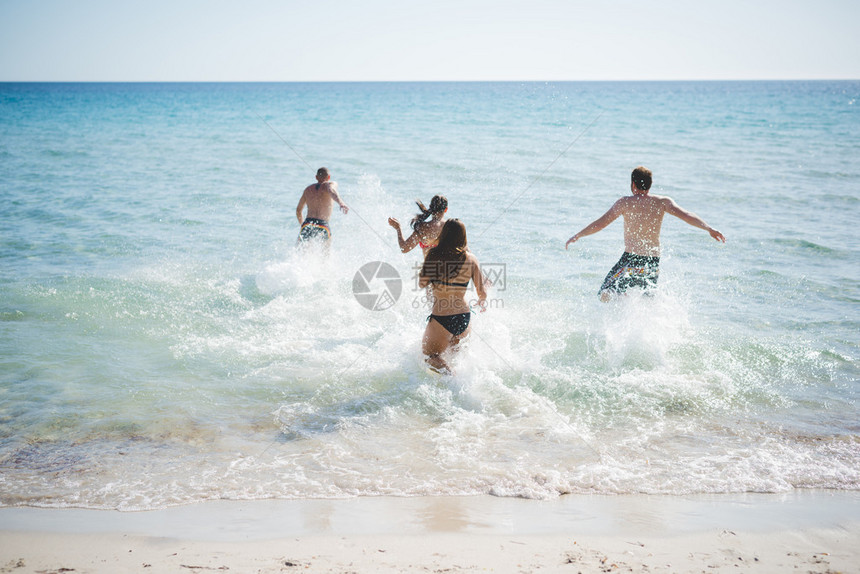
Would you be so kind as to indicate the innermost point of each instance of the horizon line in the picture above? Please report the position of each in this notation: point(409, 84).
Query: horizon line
point(668, 80)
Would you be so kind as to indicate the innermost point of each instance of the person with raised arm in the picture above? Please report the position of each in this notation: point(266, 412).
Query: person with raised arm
point(426, 226)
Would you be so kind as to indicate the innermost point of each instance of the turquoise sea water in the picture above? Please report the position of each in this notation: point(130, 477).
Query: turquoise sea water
point(161, 342)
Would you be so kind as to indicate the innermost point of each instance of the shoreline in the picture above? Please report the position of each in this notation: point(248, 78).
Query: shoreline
point(813, 531)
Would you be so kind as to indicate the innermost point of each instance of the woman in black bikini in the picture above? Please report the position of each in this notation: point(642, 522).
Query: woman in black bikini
point(448, 267)
point(424, 232)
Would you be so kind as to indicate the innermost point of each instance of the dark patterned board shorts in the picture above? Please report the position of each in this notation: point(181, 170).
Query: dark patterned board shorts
point(314, 229)
point(632, 270)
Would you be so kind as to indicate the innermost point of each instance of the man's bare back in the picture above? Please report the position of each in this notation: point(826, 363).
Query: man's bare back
point(320, 198)
point(643, 218)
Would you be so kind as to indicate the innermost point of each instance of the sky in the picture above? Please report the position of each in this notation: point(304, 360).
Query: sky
point(432, 40)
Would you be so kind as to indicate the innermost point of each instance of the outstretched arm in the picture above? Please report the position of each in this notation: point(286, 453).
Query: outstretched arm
point(692, 219)
point(408, 244)
point(597, 224)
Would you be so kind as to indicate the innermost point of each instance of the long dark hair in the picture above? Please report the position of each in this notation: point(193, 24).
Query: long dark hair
point(445, 260)
point(437, 205)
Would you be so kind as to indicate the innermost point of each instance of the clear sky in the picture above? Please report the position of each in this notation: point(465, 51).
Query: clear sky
point(372, 40)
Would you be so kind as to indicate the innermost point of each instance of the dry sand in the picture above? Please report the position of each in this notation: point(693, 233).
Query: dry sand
point(799, 532)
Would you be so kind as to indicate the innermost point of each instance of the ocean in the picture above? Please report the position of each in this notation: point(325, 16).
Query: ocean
point(163, 343)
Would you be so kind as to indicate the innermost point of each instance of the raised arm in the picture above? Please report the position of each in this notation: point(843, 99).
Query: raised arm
point(408, 244)
point(692, 219)
point(597, 224)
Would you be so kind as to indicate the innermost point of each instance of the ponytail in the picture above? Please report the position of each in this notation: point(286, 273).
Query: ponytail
point(437, 205)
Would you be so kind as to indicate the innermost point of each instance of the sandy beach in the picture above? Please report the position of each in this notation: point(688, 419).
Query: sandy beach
point(814, 531)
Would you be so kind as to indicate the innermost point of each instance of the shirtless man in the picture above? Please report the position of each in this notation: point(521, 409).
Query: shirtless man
point(319, 198)
point(643, 216)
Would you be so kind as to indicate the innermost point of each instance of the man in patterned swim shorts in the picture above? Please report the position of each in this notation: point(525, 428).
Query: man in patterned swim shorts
point(319, 198)
point(643, 217)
